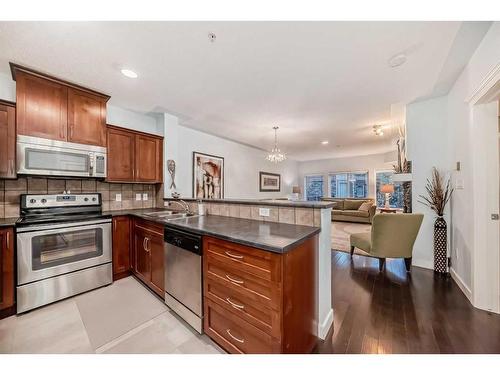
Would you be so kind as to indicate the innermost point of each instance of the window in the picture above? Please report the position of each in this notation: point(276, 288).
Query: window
point(396, 198)
point(349, 185)
point(313, 187)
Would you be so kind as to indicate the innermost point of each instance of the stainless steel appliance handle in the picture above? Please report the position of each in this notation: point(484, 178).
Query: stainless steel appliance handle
point(234, 280)
point(229, 254)
point(234, 337)
point(235, 305)
point(48, 227)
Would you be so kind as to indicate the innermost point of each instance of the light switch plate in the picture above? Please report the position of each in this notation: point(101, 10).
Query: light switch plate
point(264, 212)
point(145, 196)
point(138, 197)
point(118, 197)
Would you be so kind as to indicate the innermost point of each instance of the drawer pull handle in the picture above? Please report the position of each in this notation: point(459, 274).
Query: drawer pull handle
point(234, 280)
point(233, 337)
point(233, 255)
point(235, 305)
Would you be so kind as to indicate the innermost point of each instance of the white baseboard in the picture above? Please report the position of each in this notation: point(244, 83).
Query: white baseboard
point(324, 326)
point(464, 288)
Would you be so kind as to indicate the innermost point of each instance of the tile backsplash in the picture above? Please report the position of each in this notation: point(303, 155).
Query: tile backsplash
point(10, 191)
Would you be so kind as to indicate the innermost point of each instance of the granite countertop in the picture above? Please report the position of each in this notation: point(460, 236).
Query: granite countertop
point(275, 237)
point(8, 222)
point(265, 202)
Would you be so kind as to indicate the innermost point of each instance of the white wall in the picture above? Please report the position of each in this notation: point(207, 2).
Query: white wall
point(7, 87)
point(441, 132)
point(370, 163)
point(133, 120)
point(241, 163)
point(427, 147)
point(462, 133)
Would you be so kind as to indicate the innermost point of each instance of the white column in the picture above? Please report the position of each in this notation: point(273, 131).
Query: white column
point(325, 311)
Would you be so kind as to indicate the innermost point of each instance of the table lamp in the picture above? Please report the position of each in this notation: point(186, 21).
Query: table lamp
point(387, 189)
point(295, 192)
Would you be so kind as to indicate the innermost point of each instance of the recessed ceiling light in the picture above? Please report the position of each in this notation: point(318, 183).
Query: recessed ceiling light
point(324, 142)
point(129, 73)
point(397, 60)
point(378, 130)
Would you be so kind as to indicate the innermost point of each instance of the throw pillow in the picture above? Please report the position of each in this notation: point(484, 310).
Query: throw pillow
point(352, 204)
point(365, 206)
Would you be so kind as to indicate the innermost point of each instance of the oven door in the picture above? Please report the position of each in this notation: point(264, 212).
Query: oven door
point(52, 250)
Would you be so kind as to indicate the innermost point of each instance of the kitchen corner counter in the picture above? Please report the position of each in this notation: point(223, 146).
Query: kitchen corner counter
point(274, 237)
point(270, 236)
point(8, 222)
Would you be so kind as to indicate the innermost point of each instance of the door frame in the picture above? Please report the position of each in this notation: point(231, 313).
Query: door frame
point(484, 111)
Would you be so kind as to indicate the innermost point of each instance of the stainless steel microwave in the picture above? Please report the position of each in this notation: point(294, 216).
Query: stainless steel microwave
point(40, 156)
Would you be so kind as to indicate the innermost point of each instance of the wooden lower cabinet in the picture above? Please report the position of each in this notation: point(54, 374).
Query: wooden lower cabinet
point(7, 282)
point(256, 301)
point(147, 257)
point(121, 247)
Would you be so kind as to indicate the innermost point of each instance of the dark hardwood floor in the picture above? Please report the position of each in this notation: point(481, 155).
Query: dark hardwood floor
point(396, 312)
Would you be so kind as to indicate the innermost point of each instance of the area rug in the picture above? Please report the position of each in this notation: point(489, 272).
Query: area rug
point(341, 232)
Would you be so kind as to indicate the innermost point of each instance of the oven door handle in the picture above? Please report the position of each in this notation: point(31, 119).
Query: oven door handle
point(62, 226)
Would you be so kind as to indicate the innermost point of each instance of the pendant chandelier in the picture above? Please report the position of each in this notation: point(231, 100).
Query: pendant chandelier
point(276, 156)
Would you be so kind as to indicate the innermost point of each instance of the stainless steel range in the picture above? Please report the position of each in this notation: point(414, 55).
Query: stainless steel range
point(63, 247)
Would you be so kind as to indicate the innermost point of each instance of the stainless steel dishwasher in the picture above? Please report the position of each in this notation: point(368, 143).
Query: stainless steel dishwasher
point(183, 282)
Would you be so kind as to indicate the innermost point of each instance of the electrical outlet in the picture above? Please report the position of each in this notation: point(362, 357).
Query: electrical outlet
point(118, 197)
point(138, 197)
point(145, 196)
point(264, 212)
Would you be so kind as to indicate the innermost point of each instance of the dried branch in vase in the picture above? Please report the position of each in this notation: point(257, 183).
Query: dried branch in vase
point(438, 193)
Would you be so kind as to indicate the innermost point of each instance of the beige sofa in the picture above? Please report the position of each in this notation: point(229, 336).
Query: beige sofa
point(348, 209)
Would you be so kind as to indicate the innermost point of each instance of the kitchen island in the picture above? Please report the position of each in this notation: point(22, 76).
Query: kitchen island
point(259, 278)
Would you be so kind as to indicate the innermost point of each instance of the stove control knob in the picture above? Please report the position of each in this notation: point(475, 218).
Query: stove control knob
point(43, 200)
point(32, 200)
point(86, 199)
point(94, 199)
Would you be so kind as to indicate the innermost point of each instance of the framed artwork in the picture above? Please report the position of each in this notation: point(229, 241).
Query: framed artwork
point(208, 176)
point(269, 181)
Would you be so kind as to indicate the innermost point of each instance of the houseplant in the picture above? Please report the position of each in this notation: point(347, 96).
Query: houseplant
point(438, 194)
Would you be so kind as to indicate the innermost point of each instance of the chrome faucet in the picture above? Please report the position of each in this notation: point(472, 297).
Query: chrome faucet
point(184, 205)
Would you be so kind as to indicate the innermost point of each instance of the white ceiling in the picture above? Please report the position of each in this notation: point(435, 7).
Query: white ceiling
point(316, 80)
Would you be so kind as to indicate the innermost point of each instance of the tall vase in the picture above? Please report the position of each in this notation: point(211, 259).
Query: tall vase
point(440, 246)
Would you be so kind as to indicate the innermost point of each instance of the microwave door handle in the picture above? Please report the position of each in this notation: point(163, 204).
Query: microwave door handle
point(91, 164)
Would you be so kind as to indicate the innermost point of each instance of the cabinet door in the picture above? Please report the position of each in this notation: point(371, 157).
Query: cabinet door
point(120, 156)
point(86, 118)
point(142, 258)
point(42, 107)
point(148, 161)
point(7, 141)
point(6, 268)
point(121, 246)
point(155, 246)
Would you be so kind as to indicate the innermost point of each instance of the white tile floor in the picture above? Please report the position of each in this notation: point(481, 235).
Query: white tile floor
point(121, 318)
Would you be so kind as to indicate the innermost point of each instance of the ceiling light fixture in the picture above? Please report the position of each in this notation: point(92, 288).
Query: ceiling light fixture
point(397, 60)
point(378, 130)
point(129, 73)
point(276, 156)
point(324, 142)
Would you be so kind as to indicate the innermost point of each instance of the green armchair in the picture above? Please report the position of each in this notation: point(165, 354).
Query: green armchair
point(391, 236)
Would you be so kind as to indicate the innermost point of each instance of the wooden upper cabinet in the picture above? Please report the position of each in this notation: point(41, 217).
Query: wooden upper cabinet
point(86, 118)
point(49, 107)
point(134, 156)
point(42, 107)
point(147, 159)
point(120, 155)
point(7, 140)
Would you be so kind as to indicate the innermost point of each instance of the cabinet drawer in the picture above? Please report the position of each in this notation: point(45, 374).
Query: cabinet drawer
point(263, 264)
point(253, 288)
point(254, 312)
point(235, 334)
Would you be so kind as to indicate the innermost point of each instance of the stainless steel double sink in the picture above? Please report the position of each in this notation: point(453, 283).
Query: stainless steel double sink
point(169, 215)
